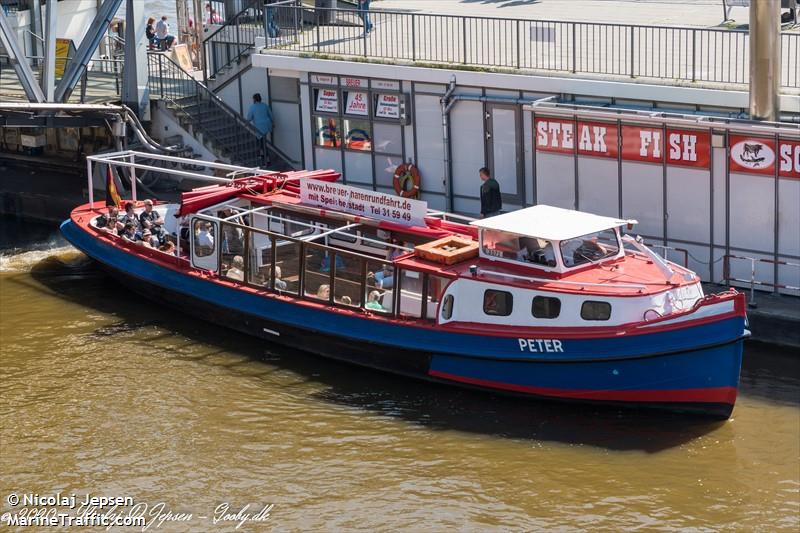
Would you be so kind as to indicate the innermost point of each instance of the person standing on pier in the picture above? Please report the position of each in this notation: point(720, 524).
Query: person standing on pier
point(491, 202)
point(260, 116)
point(363, 12)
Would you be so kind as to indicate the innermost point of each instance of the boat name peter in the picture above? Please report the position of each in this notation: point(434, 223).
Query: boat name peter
point(540, 345)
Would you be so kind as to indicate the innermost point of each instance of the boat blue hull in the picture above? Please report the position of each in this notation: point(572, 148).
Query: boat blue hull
point(693, 369)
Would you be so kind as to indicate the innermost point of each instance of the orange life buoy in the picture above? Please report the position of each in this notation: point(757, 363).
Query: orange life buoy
point(402, 174)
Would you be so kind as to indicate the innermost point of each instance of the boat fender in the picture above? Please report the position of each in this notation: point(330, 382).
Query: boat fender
point(406, 180)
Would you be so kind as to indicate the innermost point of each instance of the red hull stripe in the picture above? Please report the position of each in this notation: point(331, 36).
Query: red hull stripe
point(708, 395)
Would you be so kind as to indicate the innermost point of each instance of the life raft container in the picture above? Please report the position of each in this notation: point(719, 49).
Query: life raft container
point(406, 180)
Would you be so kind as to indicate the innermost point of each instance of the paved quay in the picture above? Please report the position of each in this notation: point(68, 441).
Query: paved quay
point(692, 13)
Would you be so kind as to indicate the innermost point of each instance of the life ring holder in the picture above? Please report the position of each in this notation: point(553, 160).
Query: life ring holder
point(402, 174)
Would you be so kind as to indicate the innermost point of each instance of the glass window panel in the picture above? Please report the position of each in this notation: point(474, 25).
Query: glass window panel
point(385, 165)
point(347, 286)
point(411, 293)
point(204, 238)
point(358, 135)
point(379, 285)
point(327, 132)
point(436, 286)
point(497, 303)
point(284, 89)
point(287, 266)
point(595, 310)
point(259, 267)
point(447, 307)
point(356, 103)
point(317, 281)
point(589, 248)
point(326, 100)
point(545, 307)
point(388, 138)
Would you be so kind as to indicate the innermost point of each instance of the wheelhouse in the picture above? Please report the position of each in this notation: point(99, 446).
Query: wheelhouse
point(551, 239)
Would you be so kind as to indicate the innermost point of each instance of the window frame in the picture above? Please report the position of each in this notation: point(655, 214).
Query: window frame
point(549, 298)
point(595, 302)
point(510, 309)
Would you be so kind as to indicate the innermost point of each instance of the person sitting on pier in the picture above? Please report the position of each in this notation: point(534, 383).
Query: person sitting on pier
point(150, 33)
point(150, 219)
point(109, 223)
point(236, 271)
point(374, 301)
point(130, 217)
point(165, 40)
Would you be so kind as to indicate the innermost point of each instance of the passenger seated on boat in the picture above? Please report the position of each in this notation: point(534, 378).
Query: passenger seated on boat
point(168, 248)
point(232, 236)
point(384, 279)
point(129, 233)
point(324, 292)
point(374, 301)
point(130, 217)
point(280, 285)
point(346, 300)
point(150, 219)
point(148, 239)
point(204, 240)
point(236, 271)
point(109, 223)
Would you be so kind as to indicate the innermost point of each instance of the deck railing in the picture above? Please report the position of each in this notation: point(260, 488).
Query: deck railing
point(620, 50)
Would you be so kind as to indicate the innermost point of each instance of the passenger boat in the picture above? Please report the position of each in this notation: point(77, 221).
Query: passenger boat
point(541, 302)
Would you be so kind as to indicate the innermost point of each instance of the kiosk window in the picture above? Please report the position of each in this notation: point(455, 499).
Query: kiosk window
point(497, 303)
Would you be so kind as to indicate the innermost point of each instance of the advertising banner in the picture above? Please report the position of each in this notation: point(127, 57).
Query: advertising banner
point(327, 100)
point(789, 159)
point(591, 138)
point(646, 144)
point(363, 202)
point(387, 106)
point(357, 104)
point(752, 154)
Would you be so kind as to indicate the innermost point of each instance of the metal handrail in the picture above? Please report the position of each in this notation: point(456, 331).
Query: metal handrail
point(752, 281)
point(663, 52)
point(246, 134)
point(241, 48)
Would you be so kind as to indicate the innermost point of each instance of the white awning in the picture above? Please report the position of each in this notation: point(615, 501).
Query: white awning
point(551, 223)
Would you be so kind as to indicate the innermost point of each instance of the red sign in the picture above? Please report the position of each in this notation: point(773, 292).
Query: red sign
point(565, 136)
point(789, 159)
point(688, 148)
point(752, 154)
point(642, 144)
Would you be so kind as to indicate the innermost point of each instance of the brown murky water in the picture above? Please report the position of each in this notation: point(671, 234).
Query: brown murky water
point(101, 392)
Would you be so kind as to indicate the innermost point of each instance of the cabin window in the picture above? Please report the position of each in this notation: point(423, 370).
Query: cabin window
point(287, 266)
point(589, 248)
point(514, 247)
point(447, 307)
point(410, 302)
point(497, 303)
point(433, 295)
point(595, 310)
point(204, 238)
point(347, 279)
point(545, 307)
point(379, 286)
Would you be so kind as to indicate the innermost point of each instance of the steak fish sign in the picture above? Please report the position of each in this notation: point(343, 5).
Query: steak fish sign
point(363, 202)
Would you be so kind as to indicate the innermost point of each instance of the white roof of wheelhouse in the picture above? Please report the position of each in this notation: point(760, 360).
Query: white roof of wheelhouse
point(551, 223)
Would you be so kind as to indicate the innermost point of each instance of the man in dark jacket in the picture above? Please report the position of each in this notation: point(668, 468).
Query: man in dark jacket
point(491, 203)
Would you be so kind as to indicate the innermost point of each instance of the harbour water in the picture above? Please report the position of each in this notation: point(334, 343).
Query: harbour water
point(103, 392)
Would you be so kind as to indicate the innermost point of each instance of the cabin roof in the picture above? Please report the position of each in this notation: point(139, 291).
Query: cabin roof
point(551, 223)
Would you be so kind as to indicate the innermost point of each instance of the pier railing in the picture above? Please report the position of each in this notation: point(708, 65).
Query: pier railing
point(234, 39)
point(671, 53)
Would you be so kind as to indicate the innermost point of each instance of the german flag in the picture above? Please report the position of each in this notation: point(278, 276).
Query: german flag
point(112, 195)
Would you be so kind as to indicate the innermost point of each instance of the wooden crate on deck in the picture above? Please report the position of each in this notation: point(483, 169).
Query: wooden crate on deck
point(448, 250)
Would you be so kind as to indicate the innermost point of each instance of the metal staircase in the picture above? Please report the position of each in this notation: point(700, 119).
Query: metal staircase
point(210, 120)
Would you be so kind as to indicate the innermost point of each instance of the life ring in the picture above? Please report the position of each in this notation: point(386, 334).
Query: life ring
point(402, 174)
